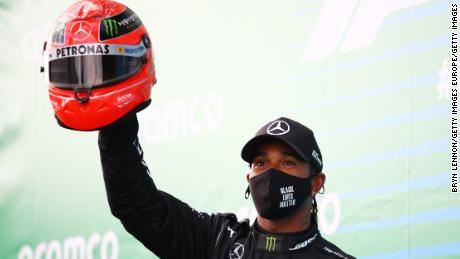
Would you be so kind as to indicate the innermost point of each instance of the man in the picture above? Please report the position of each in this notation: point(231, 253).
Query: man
point(285, 175)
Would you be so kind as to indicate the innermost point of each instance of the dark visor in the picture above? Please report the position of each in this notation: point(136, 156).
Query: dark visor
point(92, 70)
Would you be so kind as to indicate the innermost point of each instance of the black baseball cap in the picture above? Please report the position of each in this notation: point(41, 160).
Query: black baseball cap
point(300, 138)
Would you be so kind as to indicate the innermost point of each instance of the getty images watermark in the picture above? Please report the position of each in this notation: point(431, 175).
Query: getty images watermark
point(454, 103)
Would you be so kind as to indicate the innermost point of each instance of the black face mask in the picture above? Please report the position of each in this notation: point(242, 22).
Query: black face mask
point(277, 194)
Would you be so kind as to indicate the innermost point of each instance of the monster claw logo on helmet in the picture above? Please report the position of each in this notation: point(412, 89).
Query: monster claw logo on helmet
point(99, 65)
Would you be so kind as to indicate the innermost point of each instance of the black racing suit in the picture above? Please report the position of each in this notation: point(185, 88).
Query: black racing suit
point(171, 229)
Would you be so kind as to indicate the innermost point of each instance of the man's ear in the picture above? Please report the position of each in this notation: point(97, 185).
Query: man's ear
point(317, 182)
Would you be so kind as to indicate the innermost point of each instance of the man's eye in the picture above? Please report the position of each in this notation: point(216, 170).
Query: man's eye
point(259, 163)
point(289, 163)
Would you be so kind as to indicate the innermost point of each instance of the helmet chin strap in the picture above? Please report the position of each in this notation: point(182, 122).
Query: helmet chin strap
point(86, 92)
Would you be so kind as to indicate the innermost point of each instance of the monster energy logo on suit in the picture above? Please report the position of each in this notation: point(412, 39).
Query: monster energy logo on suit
point(270, 244)
point(120, 24)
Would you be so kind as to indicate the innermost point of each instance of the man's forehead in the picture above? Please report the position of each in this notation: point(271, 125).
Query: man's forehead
point(284, 154)
point(275, 146)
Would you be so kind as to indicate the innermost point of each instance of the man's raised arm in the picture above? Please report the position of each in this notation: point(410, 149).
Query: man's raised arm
point(165, 225)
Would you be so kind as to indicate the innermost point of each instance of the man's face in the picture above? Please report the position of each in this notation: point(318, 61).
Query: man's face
point(279, 156)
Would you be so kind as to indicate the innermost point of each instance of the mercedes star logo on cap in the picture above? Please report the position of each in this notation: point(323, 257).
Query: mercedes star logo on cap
point(81, 31)
point(278, 128)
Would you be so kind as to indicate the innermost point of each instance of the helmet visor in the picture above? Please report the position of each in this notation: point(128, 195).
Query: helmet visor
point(72, 67)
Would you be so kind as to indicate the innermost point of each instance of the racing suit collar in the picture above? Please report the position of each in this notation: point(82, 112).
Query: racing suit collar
point(284, 243)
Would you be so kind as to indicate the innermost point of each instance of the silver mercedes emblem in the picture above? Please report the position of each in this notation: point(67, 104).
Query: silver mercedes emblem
point(279, 127)
point(81, 31)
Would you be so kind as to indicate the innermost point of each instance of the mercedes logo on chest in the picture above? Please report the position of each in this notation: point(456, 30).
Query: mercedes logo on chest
point(279, 127)
point(237, 251)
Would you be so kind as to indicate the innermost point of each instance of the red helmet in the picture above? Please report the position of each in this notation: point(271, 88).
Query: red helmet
point(99, 64)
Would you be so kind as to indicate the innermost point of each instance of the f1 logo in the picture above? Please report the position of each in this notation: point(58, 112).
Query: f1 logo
point(347, 25)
